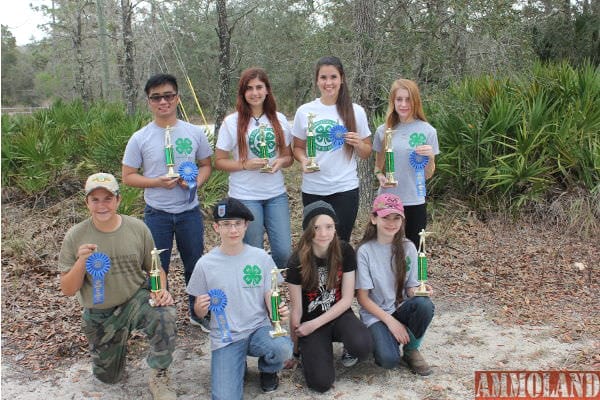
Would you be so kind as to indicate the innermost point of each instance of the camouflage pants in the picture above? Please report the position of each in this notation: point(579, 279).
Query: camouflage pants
point(108, 330)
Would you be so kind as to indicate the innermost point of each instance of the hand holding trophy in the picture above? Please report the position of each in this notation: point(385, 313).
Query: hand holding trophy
point(169, 154)
point(389, 168)
point(155, 284)
point(311, 145)
point(264, 149)
point(275, 302)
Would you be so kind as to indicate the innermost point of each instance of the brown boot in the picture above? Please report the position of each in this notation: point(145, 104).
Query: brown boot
point(159, 385)
point(417, 363)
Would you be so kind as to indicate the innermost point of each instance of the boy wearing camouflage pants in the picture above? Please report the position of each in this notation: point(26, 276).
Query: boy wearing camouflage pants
point(105, 260)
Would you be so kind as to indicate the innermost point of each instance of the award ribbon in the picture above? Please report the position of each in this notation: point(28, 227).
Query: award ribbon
point(218, 301)
point(188, 171)
point(97, 265)
point(336, 136)
point(418, 163)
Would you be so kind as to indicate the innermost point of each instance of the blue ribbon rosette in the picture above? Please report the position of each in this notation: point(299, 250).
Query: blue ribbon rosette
point(218, 301)
point(336, 136)
point(418, 163)
point(97, 265)
point(188, 171)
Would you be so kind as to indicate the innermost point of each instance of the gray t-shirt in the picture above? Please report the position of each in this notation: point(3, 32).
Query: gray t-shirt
point(245, 278)
point(146, 150)
point(405, 138)
point(375, 274)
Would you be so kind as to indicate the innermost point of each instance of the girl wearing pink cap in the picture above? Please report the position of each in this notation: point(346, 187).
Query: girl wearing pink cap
point(386, 281)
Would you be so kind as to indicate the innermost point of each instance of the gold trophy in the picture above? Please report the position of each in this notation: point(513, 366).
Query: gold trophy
point(311, 145)
point(169, 154)
point(155, 284)
point(264, 149)
point(422, 265)
point(275, 301)
point(389, 160)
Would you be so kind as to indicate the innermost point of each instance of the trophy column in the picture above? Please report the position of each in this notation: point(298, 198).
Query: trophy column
point(389, 160)
point(169, 154)
point(275, 301)
point(264, 149)
point(311, 145)
point(422, 265)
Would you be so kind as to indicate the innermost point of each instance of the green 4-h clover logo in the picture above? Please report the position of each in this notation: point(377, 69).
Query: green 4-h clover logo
point(255, 141)
point(252, 275)
point(408, 261)
point(322, 138)
point(417, 139)
point(183, 145)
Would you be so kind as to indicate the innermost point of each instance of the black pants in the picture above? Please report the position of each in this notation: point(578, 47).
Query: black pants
point(316, 349)
point(345, 205)
point(416, 219)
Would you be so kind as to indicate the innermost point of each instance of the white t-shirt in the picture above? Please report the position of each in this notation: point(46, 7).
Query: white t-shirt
point(338, 173)
point(405, 138)
point(146, 150)
point(253, 185)
point(374, 273)
point(245, 278)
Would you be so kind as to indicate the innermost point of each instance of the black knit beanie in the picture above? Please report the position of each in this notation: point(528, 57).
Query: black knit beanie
point(317, 208)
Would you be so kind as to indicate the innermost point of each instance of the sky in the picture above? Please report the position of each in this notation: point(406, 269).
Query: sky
point(21, 20)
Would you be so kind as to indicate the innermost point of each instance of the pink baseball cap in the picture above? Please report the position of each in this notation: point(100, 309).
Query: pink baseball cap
point(386, 204)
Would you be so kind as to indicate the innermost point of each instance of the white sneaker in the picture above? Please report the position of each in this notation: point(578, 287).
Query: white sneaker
point(159, 385)
point(202, 323)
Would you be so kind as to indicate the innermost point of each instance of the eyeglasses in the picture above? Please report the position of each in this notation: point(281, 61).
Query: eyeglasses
point(156, 98)
point(229, 225)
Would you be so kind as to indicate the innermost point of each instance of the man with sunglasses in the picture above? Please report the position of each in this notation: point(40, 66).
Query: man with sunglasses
point(170, 208)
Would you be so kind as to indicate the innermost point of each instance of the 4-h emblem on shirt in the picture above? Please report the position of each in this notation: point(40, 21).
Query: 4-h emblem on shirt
point(408, 261)
point(417, 139)
point(252, 275)
point(322, 134)
point(254, 141)
point(183, 145)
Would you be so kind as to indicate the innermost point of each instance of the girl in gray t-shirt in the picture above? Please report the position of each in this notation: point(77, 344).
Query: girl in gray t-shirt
point(386, 282)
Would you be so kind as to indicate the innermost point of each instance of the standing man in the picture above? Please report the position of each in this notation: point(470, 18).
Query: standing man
point(105, 260)
point(172, 208)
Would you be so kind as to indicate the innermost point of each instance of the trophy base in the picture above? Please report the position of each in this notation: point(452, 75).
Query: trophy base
point(173, 175)
point(390, 184)
point(151, 302)
point(314, 167)
point(266, 169)
point(422, 291)
point(277, 333)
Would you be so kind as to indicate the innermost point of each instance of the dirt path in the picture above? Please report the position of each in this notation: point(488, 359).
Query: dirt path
point(461, 339)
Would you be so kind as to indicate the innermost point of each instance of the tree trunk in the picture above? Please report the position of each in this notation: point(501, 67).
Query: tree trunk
point(130, 89)
point(104, 47)
point(224, 34)
point(81, 84)
point(363, 85)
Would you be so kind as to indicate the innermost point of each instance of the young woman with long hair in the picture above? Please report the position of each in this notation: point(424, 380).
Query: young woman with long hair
point(320, 278)
point(386, 283)
point(238, 152)
point(337, 180)
point(411, 133)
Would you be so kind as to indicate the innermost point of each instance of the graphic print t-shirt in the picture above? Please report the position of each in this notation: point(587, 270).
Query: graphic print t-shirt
point(317, 301)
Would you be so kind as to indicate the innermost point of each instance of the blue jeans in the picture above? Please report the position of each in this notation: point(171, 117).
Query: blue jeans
point(274, 215)
point(416, 314)
point(188, 229)
point(228, 363)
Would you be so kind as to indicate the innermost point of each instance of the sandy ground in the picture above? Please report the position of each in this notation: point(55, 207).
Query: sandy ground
point(461, 339)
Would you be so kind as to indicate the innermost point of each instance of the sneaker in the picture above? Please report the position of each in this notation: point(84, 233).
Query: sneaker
point(203, 323)
point(348, 359)
point(417, 363)
point(269, 382)
point(159, 385)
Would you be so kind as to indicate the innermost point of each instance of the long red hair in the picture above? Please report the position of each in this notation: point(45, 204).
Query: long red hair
point(245, 112)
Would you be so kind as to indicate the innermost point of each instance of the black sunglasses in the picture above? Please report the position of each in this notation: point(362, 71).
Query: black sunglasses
point(156, 98)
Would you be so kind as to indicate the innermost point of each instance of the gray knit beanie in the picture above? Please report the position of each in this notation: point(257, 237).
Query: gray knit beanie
point(317, 208)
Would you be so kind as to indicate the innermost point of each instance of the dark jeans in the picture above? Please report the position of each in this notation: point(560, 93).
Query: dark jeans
point(345, 205)
point(316, 349)
point(416, 219)
point(416, 314)
point(188, 229)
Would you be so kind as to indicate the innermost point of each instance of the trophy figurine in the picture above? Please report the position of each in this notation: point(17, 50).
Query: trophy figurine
point(422, 265)
point(311, 145)
point(264, 149)
point(389, 160)
point(275, 301)
point(169, 154)
point(155, 285)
